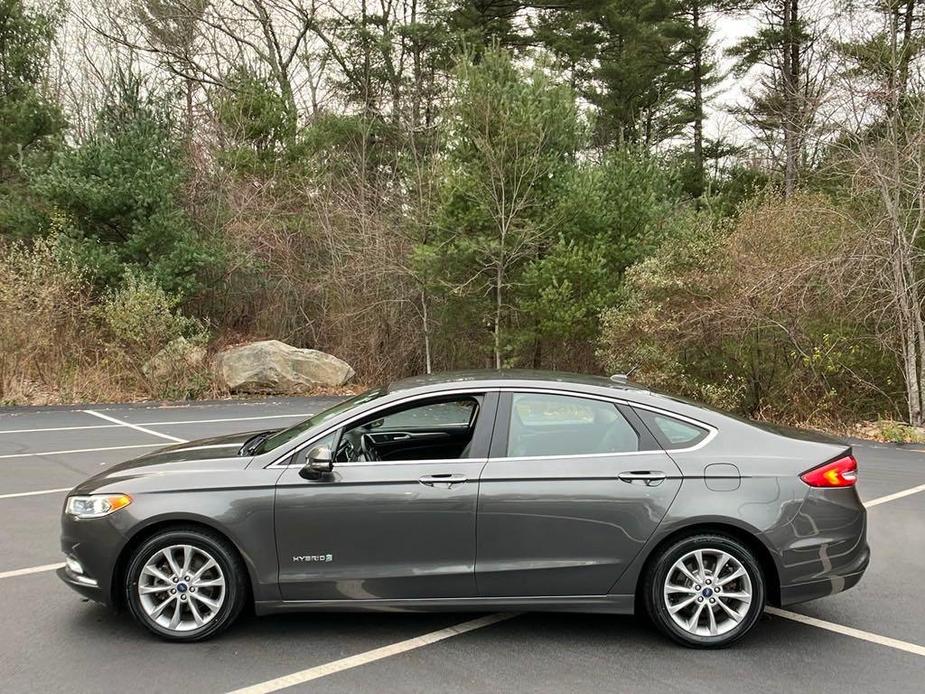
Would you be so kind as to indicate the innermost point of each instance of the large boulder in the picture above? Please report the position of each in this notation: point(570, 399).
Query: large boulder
point(271, 366)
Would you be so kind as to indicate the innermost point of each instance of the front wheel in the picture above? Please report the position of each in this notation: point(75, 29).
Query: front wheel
point(185, 585)
point(705, 591)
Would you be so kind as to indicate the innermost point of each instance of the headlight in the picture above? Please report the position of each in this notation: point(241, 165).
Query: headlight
point(96, 505)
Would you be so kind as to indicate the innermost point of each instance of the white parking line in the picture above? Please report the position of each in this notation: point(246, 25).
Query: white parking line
point(35, 493)
point(30, 570)
point(319, 671)
point(179, 422)
point(82, 450)
point(893, 497)
point(913, 648)
point(136, 427)
point(120, 423)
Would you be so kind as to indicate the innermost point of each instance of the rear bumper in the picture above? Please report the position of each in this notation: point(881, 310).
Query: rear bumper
point(823, 550)
point(844, 579)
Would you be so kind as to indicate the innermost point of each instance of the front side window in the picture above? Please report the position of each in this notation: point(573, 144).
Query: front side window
point(551, 425)
point(281, 437)
point(457, 413)
point(423, 430)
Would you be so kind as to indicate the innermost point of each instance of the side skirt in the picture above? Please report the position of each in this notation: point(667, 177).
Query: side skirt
point(612, 604)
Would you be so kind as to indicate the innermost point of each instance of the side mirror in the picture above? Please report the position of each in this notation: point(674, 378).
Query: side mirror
point(317, 463)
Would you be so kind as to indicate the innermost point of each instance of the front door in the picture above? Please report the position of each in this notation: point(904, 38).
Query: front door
point(396, 517)
point(571, 493)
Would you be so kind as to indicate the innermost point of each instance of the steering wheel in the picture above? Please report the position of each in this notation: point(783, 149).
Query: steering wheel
point(368, 448)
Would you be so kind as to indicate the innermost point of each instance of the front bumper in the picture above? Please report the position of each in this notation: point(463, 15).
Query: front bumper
point(86, 586)
point(92, 546)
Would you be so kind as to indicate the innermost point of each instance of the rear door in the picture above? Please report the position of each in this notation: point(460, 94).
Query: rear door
point(573, 489)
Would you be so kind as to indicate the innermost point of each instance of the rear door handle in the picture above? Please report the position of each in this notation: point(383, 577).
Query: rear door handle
point(442, 481)
point(650, 478)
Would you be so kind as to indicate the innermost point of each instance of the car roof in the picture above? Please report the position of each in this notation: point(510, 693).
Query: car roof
point(508, 377)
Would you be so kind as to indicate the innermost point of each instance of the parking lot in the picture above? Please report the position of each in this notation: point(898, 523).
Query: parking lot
point(871, 638)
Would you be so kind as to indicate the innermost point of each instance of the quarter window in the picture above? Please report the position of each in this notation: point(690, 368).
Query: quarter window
point(545, 425)
point(672, 433)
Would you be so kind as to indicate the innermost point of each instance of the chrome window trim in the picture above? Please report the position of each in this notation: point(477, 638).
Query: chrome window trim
point(616, 454)
point(378, 463)
point(712, 430)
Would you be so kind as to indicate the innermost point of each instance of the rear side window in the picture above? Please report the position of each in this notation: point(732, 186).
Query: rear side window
point(550, 425)
point(672, 433)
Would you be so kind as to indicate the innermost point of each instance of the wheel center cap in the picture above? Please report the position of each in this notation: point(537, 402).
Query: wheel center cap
point(181, 587)
point(707, 592)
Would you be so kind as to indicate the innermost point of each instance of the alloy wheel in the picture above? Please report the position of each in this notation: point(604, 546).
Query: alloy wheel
point(181, 588)
point(707, 592)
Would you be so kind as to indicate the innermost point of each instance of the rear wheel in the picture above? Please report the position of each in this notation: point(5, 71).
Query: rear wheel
point(705, 591)
point(185, 585)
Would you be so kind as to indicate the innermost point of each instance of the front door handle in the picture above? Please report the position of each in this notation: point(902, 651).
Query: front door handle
point(442, 481)
point(650, 478)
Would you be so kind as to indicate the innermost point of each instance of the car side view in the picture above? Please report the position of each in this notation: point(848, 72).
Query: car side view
point(482, 490)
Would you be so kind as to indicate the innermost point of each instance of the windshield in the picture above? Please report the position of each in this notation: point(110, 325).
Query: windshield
point(281, 437)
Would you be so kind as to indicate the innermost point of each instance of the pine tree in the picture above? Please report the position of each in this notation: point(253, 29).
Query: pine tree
point(620, 57)
point(29, 121)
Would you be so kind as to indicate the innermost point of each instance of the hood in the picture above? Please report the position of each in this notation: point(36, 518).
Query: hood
point(205, 455)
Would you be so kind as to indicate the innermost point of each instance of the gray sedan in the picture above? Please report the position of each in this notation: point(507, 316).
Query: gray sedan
point(480, 490)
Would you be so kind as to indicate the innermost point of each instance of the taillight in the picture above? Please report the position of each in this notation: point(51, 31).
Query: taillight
point(842, 472)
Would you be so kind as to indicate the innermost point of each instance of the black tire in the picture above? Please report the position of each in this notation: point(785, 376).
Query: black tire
point(218, 548)
point(658, 574)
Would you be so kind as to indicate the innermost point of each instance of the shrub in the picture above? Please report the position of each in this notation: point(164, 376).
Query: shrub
point(754, 316)
point(143, 318)
point(899, 432)
point(166, 348)
point(57, 344)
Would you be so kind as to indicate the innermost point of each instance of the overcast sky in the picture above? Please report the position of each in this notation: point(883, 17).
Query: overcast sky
point(731, 91)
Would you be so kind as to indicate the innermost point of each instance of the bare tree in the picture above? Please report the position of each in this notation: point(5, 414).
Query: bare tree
point(887, 152)
point(201, 41)
point(174, 25)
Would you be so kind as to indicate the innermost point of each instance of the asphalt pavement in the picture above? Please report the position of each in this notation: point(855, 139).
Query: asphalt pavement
point(871, 638)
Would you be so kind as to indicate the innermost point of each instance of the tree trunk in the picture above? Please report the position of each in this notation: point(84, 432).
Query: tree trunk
point(499, 281)
point(918, 344)
point(698, 101)
point(791, 87)
point(190, 85)
point(426, 325)
point(906, 49)
point(908, 313)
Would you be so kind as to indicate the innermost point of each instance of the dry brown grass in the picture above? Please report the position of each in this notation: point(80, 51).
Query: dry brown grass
point(61, 344)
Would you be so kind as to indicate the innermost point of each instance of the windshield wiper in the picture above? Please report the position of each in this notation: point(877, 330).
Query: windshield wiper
point(251, 444)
